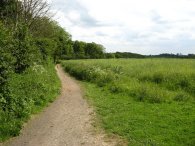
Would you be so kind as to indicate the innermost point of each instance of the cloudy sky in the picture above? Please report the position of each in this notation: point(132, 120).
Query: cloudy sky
point(139, 26)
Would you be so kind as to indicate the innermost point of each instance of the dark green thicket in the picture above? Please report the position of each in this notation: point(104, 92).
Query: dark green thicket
point(46, 47)
point(24, 50)
point(6, 64)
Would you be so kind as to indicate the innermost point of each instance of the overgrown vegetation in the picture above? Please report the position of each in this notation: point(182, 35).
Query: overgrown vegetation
point(28, 93)
point(146, 101)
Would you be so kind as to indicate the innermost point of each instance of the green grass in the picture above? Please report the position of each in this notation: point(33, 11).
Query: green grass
point(29, 93)
point(146, 101)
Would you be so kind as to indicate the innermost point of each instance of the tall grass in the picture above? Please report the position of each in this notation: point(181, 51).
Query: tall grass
point(152, 80)
point(146, 101)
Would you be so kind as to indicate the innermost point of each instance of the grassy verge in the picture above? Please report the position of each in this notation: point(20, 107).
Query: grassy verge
point(143, 123)
point(147, 102)
point(28, 94)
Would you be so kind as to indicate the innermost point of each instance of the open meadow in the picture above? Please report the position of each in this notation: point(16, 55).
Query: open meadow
point(145, 101)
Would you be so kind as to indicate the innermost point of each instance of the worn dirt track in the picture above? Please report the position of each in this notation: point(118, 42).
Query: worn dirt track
point(66, 122)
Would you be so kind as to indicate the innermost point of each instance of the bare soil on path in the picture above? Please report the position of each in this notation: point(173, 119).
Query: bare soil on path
point(66, 122)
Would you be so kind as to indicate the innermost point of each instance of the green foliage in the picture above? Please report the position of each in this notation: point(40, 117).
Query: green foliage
point(8, 11)
point(146, 101)
point(110, 55)
point(94, 51)
point(127, 55)
point(24, 50)
point(6, 63)
point(43, 28)
point(25, 84)
point(64, 48)
point(29, 92)
point(79, 49)
point(84, 50)
point(46, 47)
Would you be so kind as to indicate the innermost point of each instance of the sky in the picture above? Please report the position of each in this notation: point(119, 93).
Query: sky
point(138, 26)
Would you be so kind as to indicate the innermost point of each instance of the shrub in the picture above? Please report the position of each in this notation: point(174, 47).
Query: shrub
point(46, 47)
point(28, 92)
point(24, 50)
point(6, 63)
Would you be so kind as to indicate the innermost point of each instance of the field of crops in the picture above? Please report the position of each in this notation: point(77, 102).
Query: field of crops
point(145, 101)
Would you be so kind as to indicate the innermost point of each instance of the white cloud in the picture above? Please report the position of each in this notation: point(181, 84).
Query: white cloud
point(142, 26)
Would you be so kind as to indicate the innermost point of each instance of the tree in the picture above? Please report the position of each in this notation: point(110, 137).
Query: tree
point(8, 11)
point(46, 47)
point(32, 9)
point(23, 11)
point(110, 55)
point(43, 28)
point(64, 49)
point(24, 50)
point(93, 50)
point(79, 47)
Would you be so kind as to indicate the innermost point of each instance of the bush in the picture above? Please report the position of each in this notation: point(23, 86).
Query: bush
point(28, 92)
point(6, 63)
point(46, 47)
point(25, 52)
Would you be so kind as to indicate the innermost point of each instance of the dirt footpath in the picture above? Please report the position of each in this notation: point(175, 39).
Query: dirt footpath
point(66, 122)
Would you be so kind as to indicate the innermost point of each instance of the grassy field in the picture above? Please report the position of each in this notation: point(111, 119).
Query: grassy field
point(146, 101)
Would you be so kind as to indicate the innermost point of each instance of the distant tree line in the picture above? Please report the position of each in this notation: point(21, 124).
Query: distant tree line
point(83, 50)
point(135, 55)
point(178, 55)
